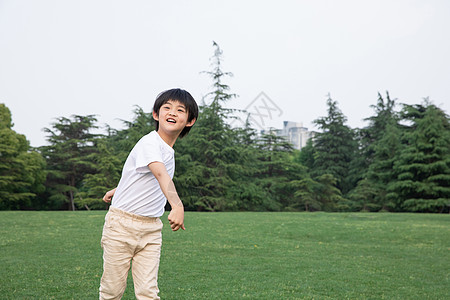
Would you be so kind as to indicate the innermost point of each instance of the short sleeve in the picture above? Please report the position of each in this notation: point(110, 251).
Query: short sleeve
point(147, 151)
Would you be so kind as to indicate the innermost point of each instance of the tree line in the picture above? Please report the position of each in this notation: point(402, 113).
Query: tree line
point(399, 162)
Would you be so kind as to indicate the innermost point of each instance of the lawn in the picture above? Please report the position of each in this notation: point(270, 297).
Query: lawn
point(245, 255)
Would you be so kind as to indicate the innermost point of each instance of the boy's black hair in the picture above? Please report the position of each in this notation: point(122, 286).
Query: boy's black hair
point(180, 96)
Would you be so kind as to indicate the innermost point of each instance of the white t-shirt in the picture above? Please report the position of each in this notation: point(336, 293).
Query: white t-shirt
point(138, 191)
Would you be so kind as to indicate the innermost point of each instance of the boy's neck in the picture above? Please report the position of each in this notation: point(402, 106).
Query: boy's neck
point(169, 139)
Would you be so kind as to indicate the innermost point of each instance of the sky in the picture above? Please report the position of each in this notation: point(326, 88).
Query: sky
point(103, 57)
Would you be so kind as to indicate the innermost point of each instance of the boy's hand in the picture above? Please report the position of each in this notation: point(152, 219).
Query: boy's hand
point(176, 218)
point(108, 196)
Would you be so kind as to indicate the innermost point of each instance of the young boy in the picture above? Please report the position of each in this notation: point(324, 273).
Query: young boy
point(132, 229)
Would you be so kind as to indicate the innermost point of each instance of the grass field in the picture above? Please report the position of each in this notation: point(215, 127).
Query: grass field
point(57, 255)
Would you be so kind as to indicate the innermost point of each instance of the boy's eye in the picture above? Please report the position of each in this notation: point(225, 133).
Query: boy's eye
point(181, 110)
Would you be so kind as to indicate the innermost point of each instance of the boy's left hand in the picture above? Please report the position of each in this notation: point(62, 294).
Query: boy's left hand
point(108, 196)
point(176, 218)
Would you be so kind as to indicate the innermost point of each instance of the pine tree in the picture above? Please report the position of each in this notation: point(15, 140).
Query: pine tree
point(305, 194)
point(305, 156)
point(384, 114)
point(363, 196)
point(380, 172)
point(224, 168)
point(21, 169)
point(208, 153)
point(423, 165)
point(277, 170)
point(247, 190)
point(106, 175)
point(372, 192)
point(68, 158)
point(379, 141)
point(335, 147)
point(318, 194)
point(122, 141)
point(109, 158)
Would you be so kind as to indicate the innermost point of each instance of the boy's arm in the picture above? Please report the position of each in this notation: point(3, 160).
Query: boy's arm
point(108, 196)
point(176, 216)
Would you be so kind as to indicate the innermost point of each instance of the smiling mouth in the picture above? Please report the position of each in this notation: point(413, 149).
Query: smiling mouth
point(170, 120)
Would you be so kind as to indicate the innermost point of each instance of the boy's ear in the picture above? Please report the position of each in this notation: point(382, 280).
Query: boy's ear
point(155, 116)
point(190, 123)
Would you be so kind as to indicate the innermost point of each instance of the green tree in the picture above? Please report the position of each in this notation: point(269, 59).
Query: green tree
point(108, 169)
point(246, 190)
point(319, 194)
point(68, 158)
point(423, 165)
point(208, 153)
point(277, 169)
point(379, 143)
point(306, 195)
point(108, 158)
point(306, 155)
point(385, 114)
point(21, 169)
point(380, 172)
point(335, 147)
point(363, 196)
point(120, 142)
point(328, 193)
point(224, 168)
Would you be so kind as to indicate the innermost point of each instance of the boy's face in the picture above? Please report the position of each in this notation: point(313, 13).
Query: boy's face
point(173, 117)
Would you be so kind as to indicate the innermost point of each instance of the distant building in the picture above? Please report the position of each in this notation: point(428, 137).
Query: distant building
point(295, 133)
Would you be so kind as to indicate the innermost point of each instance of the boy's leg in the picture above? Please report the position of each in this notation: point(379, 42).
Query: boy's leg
point(146, 262)
point(117, 254)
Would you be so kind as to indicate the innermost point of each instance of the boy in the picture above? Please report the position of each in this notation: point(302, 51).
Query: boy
point(132, 229)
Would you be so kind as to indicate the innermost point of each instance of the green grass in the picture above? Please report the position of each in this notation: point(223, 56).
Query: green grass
point(57, 255)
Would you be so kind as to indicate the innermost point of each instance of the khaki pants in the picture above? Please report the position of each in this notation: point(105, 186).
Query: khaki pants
point(128, 237)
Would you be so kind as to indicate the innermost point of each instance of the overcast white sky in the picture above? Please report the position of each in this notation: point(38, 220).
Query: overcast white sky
point(59, 58)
